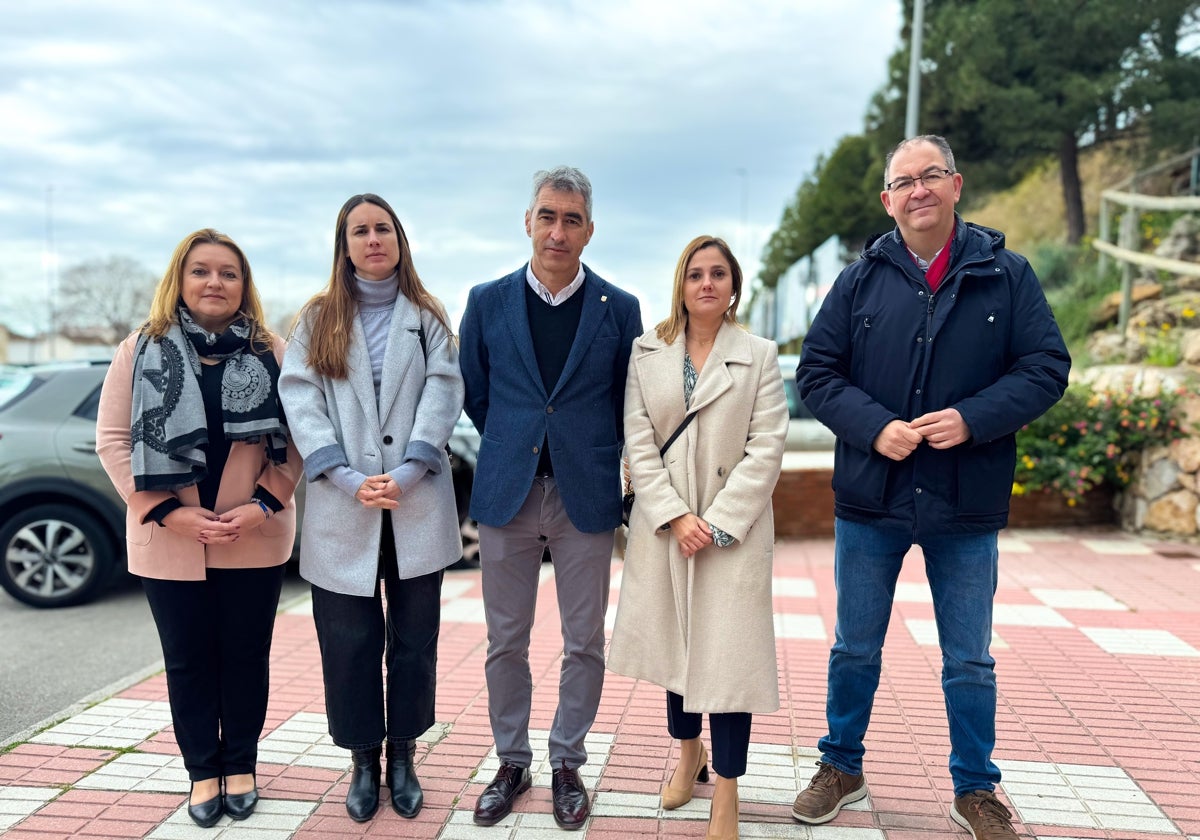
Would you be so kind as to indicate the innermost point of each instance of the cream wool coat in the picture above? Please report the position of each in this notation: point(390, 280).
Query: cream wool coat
point(702, 626)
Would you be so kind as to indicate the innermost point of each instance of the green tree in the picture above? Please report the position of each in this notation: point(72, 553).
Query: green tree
point(840, 198)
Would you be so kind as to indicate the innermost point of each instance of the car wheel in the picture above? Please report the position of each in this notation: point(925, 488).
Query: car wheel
point(55, 556)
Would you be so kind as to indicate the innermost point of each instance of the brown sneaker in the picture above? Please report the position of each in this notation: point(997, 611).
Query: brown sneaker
point(982, 814)
point(825, 795)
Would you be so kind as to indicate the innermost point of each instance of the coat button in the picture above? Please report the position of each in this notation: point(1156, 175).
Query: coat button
point(535, 450)
point(549, 409)
point(720, 471)
point(387, 439)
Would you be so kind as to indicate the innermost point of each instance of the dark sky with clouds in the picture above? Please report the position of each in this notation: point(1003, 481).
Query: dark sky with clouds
point(145, 121)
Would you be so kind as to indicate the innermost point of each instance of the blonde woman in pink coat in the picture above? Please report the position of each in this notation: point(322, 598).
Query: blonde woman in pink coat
point(191, 432)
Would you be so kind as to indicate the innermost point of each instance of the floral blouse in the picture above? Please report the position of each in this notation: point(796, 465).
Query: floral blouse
point(720, 538)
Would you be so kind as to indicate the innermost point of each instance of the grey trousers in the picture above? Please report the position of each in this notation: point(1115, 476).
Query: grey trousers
point(511, 559)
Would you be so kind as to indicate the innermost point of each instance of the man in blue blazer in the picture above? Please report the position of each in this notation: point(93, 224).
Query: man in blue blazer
point(544, 353)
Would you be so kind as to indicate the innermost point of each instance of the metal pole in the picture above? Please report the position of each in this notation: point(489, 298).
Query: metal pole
point(914, 70)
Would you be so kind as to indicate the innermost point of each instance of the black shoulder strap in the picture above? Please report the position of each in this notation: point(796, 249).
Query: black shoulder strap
point(421, 338)
point(675, 434)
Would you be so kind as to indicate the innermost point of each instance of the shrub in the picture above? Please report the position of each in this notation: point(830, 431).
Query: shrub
point(1091, 438)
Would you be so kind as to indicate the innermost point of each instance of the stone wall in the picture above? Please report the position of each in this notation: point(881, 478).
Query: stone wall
point(1165, 493)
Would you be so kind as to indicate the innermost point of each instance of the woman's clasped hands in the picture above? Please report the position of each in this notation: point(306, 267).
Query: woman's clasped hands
point(379, 491)
point(204, 526)
point(691, 532)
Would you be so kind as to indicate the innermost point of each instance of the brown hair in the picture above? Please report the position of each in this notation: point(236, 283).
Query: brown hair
point(332, 311)
point(169, 293)
point(669, 329)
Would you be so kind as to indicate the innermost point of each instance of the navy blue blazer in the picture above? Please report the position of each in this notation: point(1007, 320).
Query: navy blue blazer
point(582, 418)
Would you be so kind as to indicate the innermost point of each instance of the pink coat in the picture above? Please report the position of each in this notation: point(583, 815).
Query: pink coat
point(158, 552)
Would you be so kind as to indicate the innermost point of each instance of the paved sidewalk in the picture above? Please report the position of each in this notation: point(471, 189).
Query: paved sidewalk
point(1097, 642)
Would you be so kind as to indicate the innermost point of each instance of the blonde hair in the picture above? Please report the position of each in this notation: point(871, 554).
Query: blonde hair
point(168, 296)
point(333, 310)
point(669, 329)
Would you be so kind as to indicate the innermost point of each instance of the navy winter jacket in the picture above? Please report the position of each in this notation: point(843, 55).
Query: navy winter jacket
point(882, 347)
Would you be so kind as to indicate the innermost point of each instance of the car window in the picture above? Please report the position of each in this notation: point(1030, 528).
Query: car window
point(14, 385)
point(88, 409)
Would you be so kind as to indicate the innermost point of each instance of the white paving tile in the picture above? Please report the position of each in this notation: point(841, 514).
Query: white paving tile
point(924, 632)
point(1013, 545)
point(466, 610)
point(787, 587)
point(1028, 615)
point(1080, 796)
point(1078, 599)
point(799, 627)
point(456, 587)
point(117, 722)
point(909, 592)
point(18, 802)
point(610, 616)
point(1116, 547)
point(1146, 642)
point(274, 819)
point(303, 740)
point(300, 608)
point(142, 772)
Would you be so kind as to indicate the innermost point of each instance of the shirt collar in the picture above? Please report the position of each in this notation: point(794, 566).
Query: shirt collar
point(545, 294)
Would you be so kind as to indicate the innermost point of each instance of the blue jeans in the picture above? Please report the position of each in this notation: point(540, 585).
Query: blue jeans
point(962, 577)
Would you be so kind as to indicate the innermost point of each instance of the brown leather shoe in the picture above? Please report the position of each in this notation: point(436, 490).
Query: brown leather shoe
point(825, 795)
point(571, 806)
point(496, 801)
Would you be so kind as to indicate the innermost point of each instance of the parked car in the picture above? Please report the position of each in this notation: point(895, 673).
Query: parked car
point(805, 432)
point(62, 525)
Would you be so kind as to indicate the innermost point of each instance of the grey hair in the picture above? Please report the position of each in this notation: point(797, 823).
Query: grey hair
point(935, 140)
point(563, 179)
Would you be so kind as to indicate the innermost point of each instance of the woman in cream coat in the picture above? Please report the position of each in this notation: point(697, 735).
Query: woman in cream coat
point(695, 609)
point(191, 433)
point(372, 390)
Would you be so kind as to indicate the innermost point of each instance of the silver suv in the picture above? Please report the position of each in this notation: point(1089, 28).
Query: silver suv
point(62, 525)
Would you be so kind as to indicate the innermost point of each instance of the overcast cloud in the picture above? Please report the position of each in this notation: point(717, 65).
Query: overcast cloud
point(146, 121)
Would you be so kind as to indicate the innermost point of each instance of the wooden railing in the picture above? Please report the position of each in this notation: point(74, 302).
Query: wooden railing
point(1125, 251)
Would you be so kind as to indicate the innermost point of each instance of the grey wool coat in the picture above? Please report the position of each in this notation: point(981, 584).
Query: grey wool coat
point(702, 626)
point(338, 421)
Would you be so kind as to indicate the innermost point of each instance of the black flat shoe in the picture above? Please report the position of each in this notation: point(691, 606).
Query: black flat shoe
point(241, 805)
point(207, 813)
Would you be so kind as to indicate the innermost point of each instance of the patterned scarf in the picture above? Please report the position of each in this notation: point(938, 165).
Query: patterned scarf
point(169, 430)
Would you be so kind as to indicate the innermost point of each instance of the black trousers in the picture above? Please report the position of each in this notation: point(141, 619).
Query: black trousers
point(216, 643)
point(357, 634)
point(730, 734)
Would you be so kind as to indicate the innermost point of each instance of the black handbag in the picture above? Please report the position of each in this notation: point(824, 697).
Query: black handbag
point(627, 499)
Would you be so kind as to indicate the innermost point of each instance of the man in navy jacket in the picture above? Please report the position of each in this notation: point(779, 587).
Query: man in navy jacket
point(543, 354)
point(929, 353)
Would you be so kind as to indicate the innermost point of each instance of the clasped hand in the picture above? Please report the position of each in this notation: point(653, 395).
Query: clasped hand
point(204, 526)
point(379, 491)
point(940, 429)
point(691, 532)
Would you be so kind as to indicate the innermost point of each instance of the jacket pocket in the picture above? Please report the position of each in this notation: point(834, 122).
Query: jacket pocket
point(985, 475)
point(859, 479)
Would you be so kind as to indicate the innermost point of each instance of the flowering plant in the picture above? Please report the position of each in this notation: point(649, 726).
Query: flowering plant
point(1091, 438)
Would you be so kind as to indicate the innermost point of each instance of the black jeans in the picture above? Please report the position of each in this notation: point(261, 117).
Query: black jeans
point(730, 734)
point(216, 644)
point(355, 637)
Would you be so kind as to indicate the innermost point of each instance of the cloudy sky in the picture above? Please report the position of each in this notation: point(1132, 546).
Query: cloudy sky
point(129, 124)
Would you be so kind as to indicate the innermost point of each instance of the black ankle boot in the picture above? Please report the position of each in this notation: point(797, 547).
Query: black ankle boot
point(407, 797)
point(362, 799)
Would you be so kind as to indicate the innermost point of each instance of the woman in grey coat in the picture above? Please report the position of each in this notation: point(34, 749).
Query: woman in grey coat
point(371, 386)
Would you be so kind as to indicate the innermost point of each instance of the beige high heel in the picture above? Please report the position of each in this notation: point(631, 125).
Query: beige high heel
point(733, 835)
point(672, 798)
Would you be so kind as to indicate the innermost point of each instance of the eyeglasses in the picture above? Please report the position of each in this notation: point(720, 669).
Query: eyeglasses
point(930, 179)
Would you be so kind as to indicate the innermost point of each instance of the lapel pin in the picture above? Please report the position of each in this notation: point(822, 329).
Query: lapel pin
point(603, 298)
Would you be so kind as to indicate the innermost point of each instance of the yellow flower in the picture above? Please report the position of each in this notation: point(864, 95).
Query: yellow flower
point(1188, 312)
point(1018, 489)
point(1071, 502)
